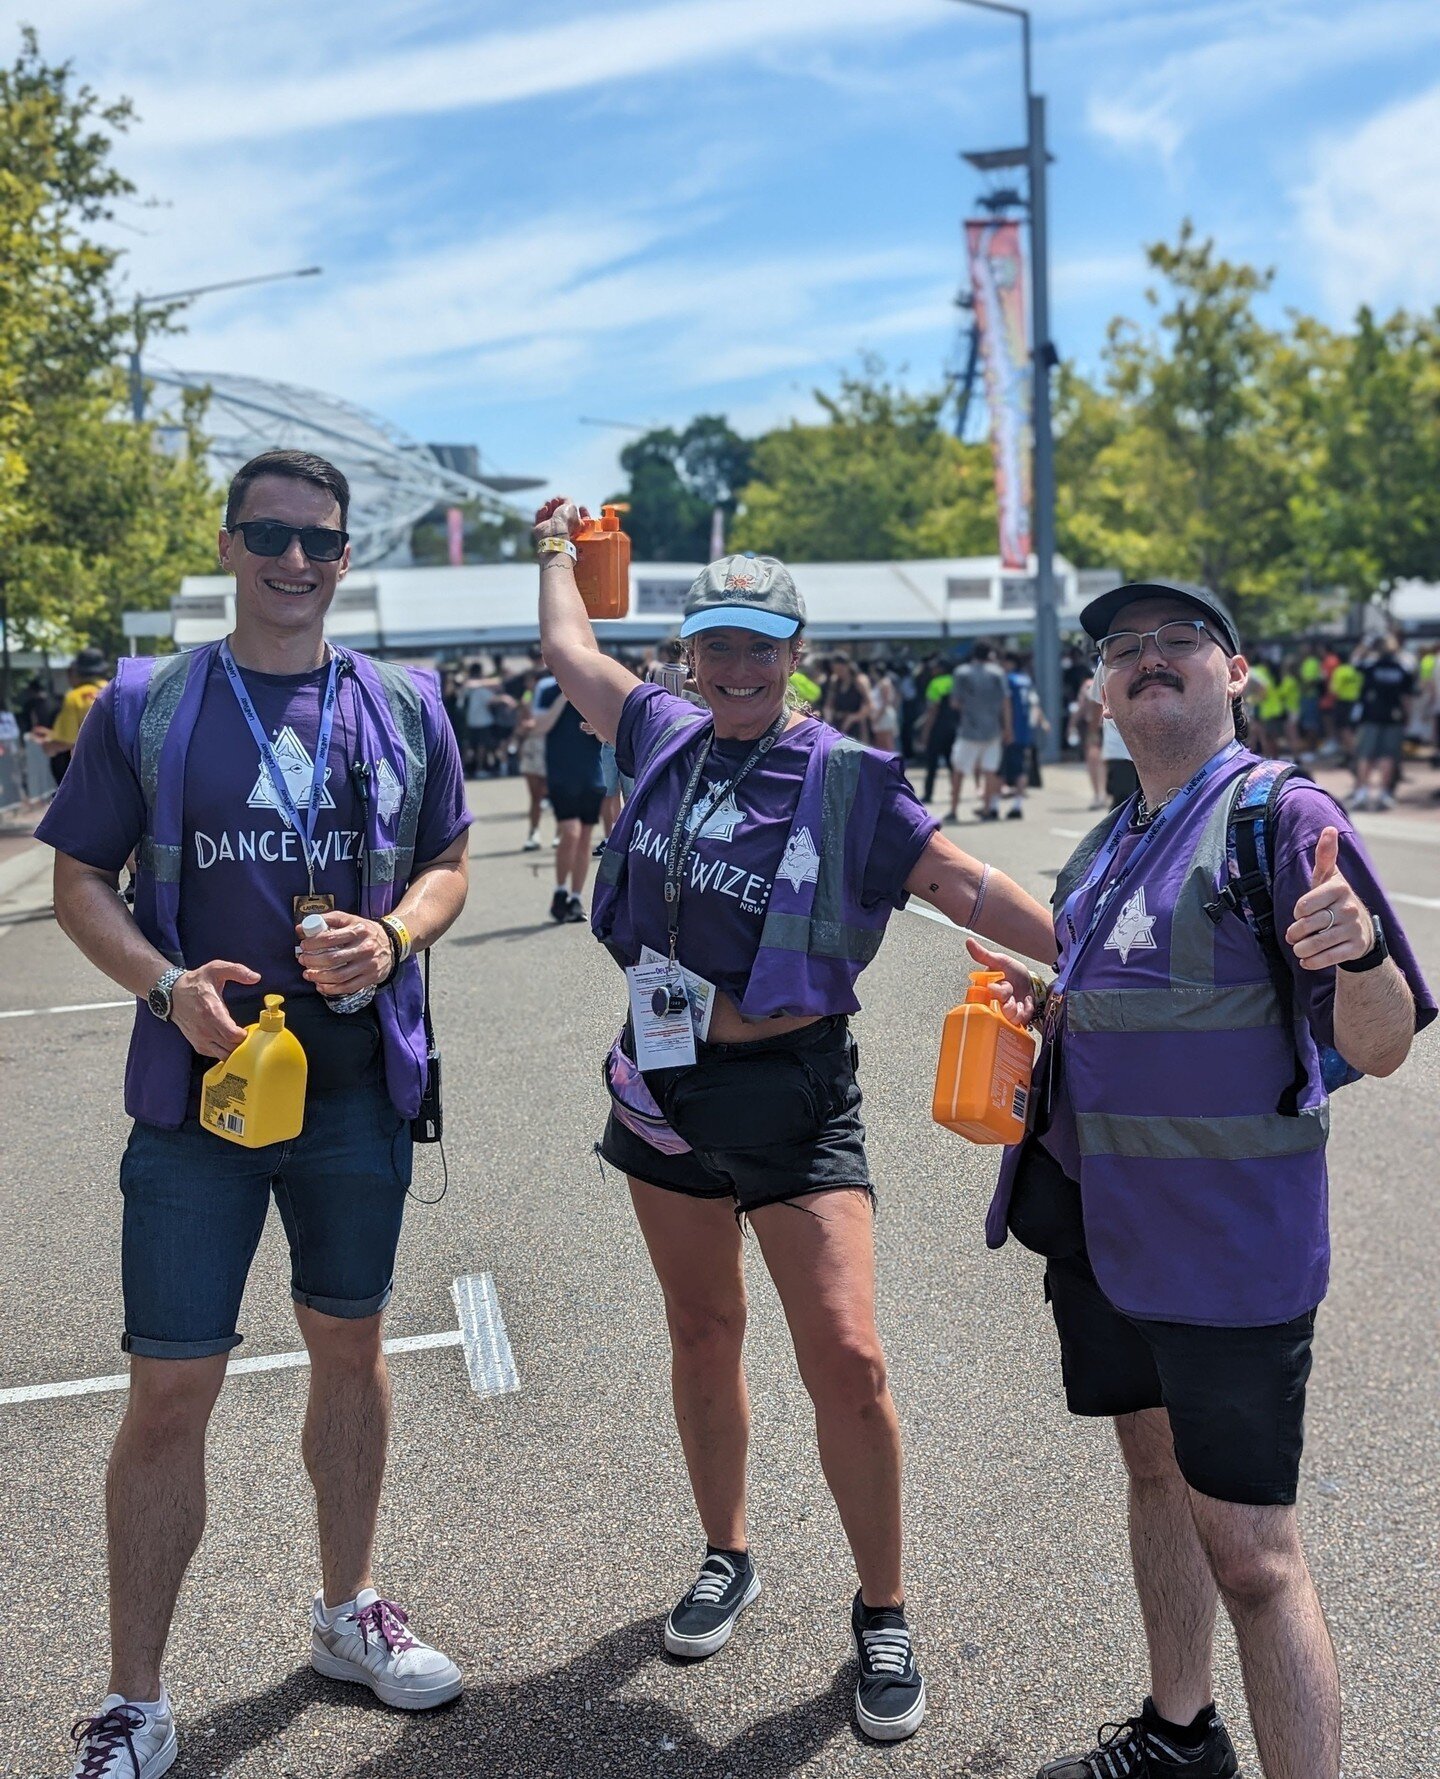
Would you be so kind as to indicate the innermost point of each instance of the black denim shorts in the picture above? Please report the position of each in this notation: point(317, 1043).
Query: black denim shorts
point(1235, 1397)
point(766, 1122)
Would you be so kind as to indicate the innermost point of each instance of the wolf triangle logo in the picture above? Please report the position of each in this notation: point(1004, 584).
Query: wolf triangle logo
point(298, 767)
point(1133, 930)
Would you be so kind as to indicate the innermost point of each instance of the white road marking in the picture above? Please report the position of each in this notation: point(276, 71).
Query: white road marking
point(77, 1007)
point(916, 906)
point(488, 1358)
point(1070, 833)
point(99, 1386)
point(1415, 901)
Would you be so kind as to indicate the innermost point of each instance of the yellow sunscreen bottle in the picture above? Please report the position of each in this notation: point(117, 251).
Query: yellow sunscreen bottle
point(257, 1095)
point(982, 1083)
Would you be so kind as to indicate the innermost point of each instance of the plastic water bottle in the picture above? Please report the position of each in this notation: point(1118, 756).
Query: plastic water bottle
point(312, 926)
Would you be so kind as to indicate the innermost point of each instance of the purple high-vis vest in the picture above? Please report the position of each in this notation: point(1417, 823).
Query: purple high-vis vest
point(816, 937)
point(157, 702)
point(1203, 1201)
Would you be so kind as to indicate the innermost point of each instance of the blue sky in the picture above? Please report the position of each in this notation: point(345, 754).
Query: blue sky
point(527, 214)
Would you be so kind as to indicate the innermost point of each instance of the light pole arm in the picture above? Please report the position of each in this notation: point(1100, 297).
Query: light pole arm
point(1014, 12)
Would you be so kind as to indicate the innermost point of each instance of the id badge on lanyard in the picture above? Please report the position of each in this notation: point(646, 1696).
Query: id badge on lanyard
point(310, 903)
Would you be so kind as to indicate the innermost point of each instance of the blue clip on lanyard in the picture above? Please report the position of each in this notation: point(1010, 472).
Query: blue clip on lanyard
point(304, 828)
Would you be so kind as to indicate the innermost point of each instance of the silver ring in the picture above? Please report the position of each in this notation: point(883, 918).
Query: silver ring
point(1329, 923)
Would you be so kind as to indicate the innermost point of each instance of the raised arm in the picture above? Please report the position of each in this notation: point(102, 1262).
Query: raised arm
point(594, 684)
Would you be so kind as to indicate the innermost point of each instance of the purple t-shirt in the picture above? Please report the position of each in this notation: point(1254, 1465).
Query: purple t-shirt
point(732, 865)
point(243, 862)
point(1304, 809)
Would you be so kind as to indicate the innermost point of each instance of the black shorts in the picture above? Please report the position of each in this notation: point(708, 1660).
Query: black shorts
point(575, 803)
point(1235, 1396)
point(767, 1121)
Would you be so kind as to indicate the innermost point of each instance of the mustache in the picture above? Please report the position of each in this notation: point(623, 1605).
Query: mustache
point(1158, 676)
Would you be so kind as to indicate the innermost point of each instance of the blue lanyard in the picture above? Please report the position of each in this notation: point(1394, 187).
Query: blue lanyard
point(1106, 859)
point(304, 828)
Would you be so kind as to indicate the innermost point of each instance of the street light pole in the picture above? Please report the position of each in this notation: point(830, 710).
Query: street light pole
point(1042, 359)
point(145, 306)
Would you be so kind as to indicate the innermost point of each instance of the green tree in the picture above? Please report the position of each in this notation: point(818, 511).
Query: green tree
point(677, 479)
point(94, 517)
point(879, 479)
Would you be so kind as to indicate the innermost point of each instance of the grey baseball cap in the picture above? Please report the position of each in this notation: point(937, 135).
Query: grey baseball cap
point(1098, 618)
point(744, 593)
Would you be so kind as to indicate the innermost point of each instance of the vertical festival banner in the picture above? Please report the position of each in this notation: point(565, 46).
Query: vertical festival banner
point(997, 274)
point(455, 536)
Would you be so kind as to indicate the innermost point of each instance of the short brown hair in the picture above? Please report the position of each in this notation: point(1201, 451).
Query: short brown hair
point(296, 466)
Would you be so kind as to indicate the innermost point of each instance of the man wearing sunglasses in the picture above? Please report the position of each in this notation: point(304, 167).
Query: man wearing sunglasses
point(262, 779)
point(1175, 1176)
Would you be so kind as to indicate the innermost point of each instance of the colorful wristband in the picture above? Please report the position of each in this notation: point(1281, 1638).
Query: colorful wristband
point(400, 935)
point(557, 546)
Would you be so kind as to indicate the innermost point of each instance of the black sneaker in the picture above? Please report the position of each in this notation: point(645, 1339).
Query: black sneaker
point(575, 909)
point(702, 1622)
point(1140, 1748)
point(890, 1696)
point(560, 905)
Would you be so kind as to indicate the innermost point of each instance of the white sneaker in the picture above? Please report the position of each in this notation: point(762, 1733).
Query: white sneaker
point(1358, 799)
point(125, 1741)
point(366, 1642)
point(1384, 801)
point(532, 843)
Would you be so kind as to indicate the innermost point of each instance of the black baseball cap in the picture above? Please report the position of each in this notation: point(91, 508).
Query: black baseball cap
point(1098, 618)
point(90, 661)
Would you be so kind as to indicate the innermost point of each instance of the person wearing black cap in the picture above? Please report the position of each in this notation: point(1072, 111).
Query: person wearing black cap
point(743, 890)
point(1211, 990)
point(88, 679)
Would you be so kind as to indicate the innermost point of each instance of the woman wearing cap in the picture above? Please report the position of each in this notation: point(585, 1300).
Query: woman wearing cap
point(744, 888)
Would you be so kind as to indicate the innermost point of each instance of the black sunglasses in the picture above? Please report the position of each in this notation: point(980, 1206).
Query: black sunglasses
point(269, 537)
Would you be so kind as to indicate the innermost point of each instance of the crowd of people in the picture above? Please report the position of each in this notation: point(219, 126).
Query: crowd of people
point(760, 833)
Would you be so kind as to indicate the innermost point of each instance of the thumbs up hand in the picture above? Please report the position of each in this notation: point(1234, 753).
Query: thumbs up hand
point(1331, 925)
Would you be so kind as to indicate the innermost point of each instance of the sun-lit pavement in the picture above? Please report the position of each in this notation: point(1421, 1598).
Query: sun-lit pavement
point(540, 1536)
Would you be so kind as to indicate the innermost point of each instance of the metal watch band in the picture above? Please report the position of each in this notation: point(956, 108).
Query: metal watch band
point(158, 999)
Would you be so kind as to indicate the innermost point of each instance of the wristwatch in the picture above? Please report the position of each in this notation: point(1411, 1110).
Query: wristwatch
point(158, 999)
point(1375, 956)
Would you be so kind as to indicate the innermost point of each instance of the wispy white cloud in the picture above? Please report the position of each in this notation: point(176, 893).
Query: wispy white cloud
point(1369, 211)
point(1270, 49)
point(491, 68)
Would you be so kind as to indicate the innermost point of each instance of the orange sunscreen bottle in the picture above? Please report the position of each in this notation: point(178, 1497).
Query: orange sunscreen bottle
point(257, 1095)
point(602, 567)
point(982, 1084)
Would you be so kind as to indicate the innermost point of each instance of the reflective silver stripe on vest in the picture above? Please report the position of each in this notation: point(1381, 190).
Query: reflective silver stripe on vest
point(664, 735)
point(1250, 1137)
point(162, 696)
point(162, 863)
point(612, 863)
point(1183, 1008)
point(393, 864)
point(825, 933)
point(1192, 932)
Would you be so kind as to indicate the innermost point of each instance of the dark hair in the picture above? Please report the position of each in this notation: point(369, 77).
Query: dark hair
point(1242, 722)
point(295, 466)
point(982, 651)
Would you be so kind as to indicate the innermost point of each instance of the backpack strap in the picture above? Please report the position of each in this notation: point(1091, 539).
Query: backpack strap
point(1250, 840)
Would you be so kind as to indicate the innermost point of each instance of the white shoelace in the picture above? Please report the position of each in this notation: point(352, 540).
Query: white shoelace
point(887, 1650)
point(715, 1576)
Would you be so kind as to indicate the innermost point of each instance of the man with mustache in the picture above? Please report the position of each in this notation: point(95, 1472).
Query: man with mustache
point(1175, 1177)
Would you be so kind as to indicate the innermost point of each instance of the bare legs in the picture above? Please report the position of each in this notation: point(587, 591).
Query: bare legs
point(155, 1484)
point(572, 856)
point(1187, 1548)
point(820, 1253)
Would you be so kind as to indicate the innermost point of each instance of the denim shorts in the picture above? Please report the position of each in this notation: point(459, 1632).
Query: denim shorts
point(195, 1206)
point(767, 1122)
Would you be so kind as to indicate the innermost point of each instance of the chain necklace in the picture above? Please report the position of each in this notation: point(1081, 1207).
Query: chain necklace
point(1145, 813)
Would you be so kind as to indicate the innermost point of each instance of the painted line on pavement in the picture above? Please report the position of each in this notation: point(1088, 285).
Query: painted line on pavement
point(488, 1358)
point(915, 906)
point(99, 1386)
point(76, 1007)
point(1414, 901)
point(1070, 833)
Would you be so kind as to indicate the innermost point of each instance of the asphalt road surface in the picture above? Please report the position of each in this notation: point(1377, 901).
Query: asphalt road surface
point(540, 1536)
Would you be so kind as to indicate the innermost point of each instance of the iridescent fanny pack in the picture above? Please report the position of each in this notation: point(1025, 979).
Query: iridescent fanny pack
point(634, 1105)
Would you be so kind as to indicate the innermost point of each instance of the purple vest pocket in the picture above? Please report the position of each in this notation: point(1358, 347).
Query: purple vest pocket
point(634, 1105)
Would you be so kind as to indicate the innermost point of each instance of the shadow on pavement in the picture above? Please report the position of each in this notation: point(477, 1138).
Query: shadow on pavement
point(567, 1721)
point(543, 925)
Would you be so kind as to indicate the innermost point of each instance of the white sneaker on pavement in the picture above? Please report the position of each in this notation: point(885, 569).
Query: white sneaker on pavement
point(366, 1642)
point(125, 1741)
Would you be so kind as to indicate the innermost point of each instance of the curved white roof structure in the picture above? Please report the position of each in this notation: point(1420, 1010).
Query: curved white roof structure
point(394, 479)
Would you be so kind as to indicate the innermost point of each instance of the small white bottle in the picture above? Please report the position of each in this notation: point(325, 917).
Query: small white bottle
point(312, 926)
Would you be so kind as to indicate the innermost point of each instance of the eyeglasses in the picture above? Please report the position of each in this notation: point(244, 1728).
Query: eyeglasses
point(269, 537)
point(763, 654)
point(1175, 640)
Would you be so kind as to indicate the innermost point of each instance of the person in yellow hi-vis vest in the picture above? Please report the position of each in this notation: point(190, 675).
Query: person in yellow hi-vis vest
point(88, 679)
